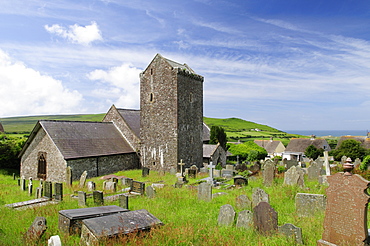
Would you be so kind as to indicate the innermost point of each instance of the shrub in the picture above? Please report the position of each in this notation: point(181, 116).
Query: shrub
point(365, 163)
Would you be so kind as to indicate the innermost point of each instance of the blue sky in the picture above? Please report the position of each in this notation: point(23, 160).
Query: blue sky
point(291, 64)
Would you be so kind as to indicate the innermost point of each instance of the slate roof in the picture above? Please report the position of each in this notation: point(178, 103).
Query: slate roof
point(206, 133)
point(79, 139)
point(132, 118)
point(365, 141)
point(209, 149)
point(268, 145)
point(301, 144)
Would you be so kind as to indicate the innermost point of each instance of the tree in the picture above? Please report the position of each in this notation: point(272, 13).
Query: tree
point(350, 148)
point(218, 135)
point(9, 150)
point(313, 152)
point(249, 151)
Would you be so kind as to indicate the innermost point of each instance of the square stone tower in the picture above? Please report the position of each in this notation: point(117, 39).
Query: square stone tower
point(171, 121)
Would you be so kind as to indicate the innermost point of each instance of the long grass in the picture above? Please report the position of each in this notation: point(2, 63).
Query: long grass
point(187, 220)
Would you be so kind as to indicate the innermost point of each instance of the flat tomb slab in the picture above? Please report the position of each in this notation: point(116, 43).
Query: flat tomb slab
point(96, 229)
point(70, 221)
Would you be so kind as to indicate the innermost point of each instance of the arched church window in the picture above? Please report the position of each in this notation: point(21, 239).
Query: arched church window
point(41, 167)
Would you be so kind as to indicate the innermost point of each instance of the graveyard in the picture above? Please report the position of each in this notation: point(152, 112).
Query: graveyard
point(183, 215)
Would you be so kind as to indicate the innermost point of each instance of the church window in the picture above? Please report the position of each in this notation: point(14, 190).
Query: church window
point(41, 167)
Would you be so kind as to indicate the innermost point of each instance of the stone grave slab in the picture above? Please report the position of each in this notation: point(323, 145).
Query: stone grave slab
point(226, 215)
point(245, 219)
point(36, 230)
point(96, 229)
point(138, 187)
point(294, 176)
point(259, 195)
point(313, 171)
point(345, 219)
point(205, 192)
point(291, 230)
point(225, 173)
point(265, 218)
point(28, 203)
point(309, 204)
point(243, 202)
point(70, 221)
point(268, 173)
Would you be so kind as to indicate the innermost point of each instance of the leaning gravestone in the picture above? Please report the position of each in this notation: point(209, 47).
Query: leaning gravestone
point(226, 216)
point(314, 171)
point(294, 176)
point(268, 173)
point(309, 204)
point(243, 202)
point(245, 219)
point(83, 179)
point(36, 230)
point(345, 220)
point(150, 192)
point(265, 218)
point(205, 192)
point(291, 230)
point(259, 195)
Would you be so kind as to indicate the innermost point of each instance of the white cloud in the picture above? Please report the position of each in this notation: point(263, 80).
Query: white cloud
point(24, 91)
point(77, 34)
point(121, 85)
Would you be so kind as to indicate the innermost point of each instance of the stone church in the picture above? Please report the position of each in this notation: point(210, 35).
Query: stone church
point(168, 128)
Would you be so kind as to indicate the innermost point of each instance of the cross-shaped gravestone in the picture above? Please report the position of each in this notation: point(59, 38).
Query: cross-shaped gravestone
point(211, 166)
point(181, 164)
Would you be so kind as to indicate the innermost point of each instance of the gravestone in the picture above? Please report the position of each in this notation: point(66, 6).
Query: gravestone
point(268, 173)
point(83, 179)
point(123, 201)
point(226, 215)
point(23, 183)
point(291, 230)
point(98, 198)
point(291, 163)
point(150, 192)
point(48, 189)
point(110, 186)
point(54, 241)
point(39, 191)
point(243, 202)
point(172, 171)
point(68, 176)
point(216, 173)
point(145, 171)
point(230, 167)
point(345, 219)
point(70, 220)
point(294, 176)
point(58, 191)
point(81, 199)
point(226, 173)
point(245, 219)
point(240, 180)
point(211, 168)
point(265, 218)
point(313, 171)
point(259, 195)
point(95, 231)
point(126, 181)
point(326, 163)
point(205, 192)
point(30, 186)
point(357, 162)
point(137, 187)
point(203, 170)
point(192, 173)
point(309, 204)
point(91, 186)
point(36, 230)
point(181, 169)
point(343, 159)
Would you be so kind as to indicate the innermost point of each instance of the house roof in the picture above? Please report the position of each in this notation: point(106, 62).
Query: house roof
point(79, 139)
point(209, 149)
point(132, 118)
point(365, 141)
point(301, 144)
point(269, 145)
point(206, 133)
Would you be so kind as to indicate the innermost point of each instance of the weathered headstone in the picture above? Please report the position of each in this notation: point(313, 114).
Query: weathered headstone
point(243, 202)
point(138, 187)
point(216, 173)
point(36, 230)
point(30, 186)
point(309, 204)
point(265, 218)
point(96, 230)
point(150, 192)
point(240, 180)
point(291, 163)
point(205, 192)
point(259, 195)
point(313, 171)
point(68, 176)
point(23, 184)
point(226, 215)
point(245, 219)
point(172, 171)
point(54, 241)
point(110, 186)
point(58, 191)
point(192, 173)
point(326, 163)
point(230, 167)
point(126, 181)
point(211, 168)
point(225, 173)
point(39, 192)
point(91, 186)
point(83, 179)
point(145, 171)
point(294, 176)
point(268, 173)
point(48, 189)
point(81, 199)
point(123, 201)
point(345, 220)
point(291, 230)
point(98, 198)
point(357, 162)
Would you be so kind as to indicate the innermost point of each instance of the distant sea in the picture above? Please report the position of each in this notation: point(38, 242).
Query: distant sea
point(334, 133)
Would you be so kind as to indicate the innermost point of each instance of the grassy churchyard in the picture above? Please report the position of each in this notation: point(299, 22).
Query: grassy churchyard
point(187, 220)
